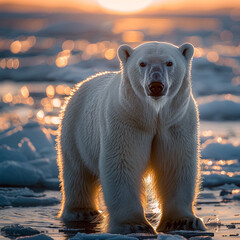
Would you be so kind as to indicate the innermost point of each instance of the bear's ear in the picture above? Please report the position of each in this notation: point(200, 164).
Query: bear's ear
point(187, 50)
point(124, 53)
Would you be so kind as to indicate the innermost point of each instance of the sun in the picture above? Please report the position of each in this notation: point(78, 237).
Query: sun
point(124, 6)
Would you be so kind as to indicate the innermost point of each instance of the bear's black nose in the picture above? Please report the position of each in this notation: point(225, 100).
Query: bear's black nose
point(156, 89)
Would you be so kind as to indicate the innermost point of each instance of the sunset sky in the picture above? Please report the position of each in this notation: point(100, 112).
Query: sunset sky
point(93, 5)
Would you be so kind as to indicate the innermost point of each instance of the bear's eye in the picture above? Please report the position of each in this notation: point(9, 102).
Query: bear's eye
point(169, 64)
point(142, 64)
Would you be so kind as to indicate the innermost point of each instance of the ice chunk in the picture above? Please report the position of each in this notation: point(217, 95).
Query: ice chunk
point(236, 196)
point(27, 149)
point(214, 180)
point(220, 110)
point(48, 152)
point(135, 236)
point(169, 237)
point(33, 202)
point(36, 237)
point(8, 153)
point(14, 192)
point(43, 165)
point(54, 167)
point(18, 174)
point(25, 197)
point(102, 236)
point(190, 234)
point(213, 221)
point(4, 202)
point(39, 136)
point(17, 230)
point(51, 183)
point(211, 78)
point(220, 151)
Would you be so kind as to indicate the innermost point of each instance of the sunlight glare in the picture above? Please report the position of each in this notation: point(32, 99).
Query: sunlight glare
point(124, 5)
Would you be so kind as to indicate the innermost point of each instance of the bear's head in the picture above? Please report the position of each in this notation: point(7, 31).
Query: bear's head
point(156, 69)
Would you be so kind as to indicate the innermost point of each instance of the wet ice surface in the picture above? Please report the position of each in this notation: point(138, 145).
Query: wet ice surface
point(43, 56)
point(220, 213)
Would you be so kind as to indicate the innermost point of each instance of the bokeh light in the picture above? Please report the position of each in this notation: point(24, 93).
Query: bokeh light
point(25, 92)
point(50, 91)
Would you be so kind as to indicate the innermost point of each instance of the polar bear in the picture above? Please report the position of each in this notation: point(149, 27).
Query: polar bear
point(116, 125)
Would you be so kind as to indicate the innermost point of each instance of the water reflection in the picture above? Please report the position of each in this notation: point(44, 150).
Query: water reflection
point(32, 102)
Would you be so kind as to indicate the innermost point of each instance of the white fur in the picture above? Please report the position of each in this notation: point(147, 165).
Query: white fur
point(112, 132)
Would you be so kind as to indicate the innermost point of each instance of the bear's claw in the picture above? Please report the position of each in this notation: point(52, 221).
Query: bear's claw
point(187, 223)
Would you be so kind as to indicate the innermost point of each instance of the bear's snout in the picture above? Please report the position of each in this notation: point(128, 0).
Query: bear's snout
point(156, 76)
point(156, 89)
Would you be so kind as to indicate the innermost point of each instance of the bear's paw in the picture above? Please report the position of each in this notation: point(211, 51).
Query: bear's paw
point(185, 223)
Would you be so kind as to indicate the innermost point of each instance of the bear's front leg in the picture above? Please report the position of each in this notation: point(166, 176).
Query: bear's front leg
point(123, 161)
point(176, 173)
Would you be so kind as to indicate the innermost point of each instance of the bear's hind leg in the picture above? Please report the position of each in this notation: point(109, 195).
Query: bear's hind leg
point(79, 190)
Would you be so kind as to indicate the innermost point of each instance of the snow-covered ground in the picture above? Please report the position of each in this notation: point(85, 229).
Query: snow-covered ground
point(39, 66)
